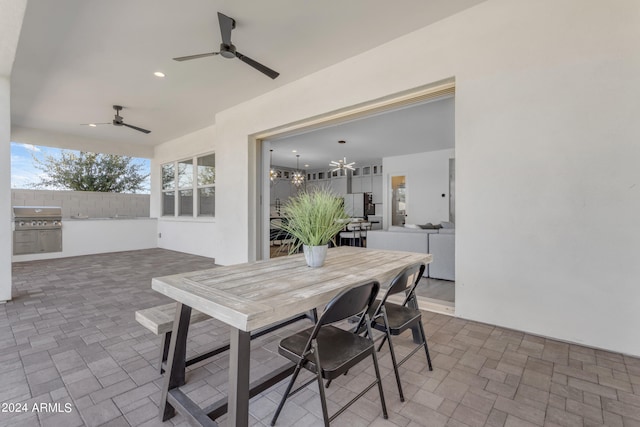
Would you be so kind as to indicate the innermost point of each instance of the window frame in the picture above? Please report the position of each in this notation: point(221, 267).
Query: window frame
point(194, 188)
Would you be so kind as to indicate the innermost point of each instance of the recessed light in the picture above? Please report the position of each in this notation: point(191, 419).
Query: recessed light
point(306, 166)
point(294, 151)
point(158, 74)
point(92, 125)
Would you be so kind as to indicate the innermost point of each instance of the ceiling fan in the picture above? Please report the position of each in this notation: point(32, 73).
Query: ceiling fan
point(118, 121)
point(341, 164)
point(228, 50)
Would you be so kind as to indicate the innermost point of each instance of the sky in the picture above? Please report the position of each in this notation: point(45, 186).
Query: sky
point(24, 172)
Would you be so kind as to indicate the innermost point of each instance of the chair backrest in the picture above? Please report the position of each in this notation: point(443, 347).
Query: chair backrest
point(406, 281)
point(350, 302)
point(354, 301)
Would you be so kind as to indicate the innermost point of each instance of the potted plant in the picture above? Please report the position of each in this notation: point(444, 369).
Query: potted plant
point(313, 219)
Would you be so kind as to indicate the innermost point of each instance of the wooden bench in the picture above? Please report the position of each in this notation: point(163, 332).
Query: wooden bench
point(159, 320)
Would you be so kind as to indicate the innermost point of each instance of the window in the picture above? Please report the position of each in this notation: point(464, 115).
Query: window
point(168, 189)
point(206, 185)
point(185, 188)
point(189, 191)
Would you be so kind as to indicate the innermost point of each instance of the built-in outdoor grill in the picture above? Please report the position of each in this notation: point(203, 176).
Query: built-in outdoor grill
point(37, 229)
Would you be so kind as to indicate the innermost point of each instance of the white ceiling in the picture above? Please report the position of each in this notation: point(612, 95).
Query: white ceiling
point(416, 129)
point(77, 58)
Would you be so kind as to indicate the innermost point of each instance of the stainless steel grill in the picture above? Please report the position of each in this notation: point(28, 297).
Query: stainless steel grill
point(37, 229)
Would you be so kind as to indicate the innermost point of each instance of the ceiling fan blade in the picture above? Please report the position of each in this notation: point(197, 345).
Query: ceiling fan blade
point(258, 66)
point(226, 25)
point(200, 55)
point(136, 128)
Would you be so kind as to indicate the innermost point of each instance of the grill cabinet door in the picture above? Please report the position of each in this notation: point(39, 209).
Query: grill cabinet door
point(25, 242)
point(50, 240)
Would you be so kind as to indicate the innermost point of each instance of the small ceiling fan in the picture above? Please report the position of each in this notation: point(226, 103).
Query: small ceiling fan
point(118, 121)
point(228, 50)
point(341, 164)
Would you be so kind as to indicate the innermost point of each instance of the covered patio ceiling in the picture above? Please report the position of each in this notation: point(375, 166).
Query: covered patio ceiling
point(76, 59)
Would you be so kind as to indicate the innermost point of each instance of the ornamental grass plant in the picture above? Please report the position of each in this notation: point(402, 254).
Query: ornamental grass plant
point(313, 218)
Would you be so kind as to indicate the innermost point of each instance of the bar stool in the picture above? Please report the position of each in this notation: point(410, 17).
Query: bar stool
point(352, 234)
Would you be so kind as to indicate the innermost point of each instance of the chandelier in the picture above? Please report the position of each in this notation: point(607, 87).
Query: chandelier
point(272, 174)
point(297, 178)
point(341, 164)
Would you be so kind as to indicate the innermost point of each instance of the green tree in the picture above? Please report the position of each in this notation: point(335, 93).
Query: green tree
point(90, 172)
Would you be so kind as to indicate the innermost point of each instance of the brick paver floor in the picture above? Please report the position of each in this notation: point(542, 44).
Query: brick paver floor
point(71, 354)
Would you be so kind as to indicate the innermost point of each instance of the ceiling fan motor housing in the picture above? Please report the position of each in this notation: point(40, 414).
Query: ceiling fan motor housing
point(227, 50)
point(117, 121)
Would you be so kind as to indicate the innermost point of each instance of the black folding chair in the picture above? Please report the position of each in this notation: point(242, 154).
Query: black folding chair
point(394, 319)
point(329, 351)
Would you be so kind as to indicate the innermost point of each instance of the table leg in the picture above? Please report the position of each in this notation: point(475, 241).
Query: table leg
point(238, 391)
point(175, 373)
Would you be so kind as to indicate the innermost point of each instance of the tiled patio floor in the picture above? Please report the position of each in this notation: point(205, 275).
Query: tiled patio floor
point(69, 337)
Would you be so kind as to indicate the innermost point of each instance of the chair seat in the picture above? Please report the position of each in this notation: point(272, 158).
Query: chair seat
point(400, 318)
point(339, 350)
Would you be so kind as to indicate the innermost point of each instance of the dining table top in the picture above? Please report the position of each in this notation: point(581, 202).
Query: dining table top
point(256, 294)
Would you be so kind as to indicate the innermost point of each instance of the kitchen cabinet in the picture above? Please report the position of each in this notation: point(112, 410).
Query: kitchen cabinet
point(376, 189)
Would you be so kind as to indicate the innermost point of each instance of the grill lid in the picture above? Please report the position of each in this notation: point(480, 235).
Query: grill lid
point(37, 211)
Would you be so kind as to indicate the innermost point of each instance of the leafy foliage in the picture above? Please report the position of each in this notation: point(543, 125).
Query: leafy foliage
point(90, 172)
point(313, 218)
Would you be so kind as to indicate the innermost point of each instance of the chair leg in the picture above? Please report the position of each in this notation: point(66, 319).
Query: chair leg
point(377, 369)
point(384, 339)
point(393, 354)
point(426, 347)
point(323, 398)
point(286, 393)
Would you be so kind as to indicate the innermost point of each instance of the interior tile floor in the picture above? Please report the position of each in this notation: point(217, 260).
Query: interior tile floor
point(69, 337)
point(443, 290)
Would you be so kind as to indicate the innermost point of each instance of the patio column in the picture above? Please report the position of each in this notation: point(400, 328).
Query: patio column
point(11, 16)
point(5, 192)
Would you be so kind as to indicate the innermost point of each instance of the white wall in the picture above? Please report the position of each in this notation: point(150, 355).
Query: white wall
point(192, 236)
point(427, 178)
point(547, 158)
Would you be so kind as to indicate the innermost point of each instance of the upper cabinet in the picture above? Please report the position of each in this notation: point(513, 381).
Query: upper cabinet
point(365, 178)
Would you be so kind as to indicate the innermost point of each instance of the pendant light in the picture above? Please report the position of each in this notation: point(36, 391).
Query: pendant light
point(272, 174)
point(298, 177)
point(341, 164)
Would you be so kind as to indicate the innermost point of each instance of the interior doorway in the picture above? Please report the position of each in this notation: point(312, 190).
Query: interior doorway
point(398, 200)
point(284, 158)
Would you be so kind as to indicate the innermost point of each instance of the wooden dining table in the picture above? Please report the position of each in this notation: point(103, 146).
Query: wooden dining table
point(251, 297)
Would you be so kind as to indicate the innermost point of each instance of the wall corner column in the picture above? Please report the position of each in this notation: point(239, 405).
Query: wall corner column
point(5, 190)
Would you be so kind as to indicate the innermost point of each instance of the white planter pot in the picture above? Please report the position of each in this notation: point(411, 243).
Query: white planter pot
point(315, 255)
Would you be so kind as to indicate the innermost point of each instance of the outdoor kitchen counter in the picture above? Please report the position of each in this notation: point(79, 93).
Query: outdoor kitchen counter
point(119, 218)
point(101, 235)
